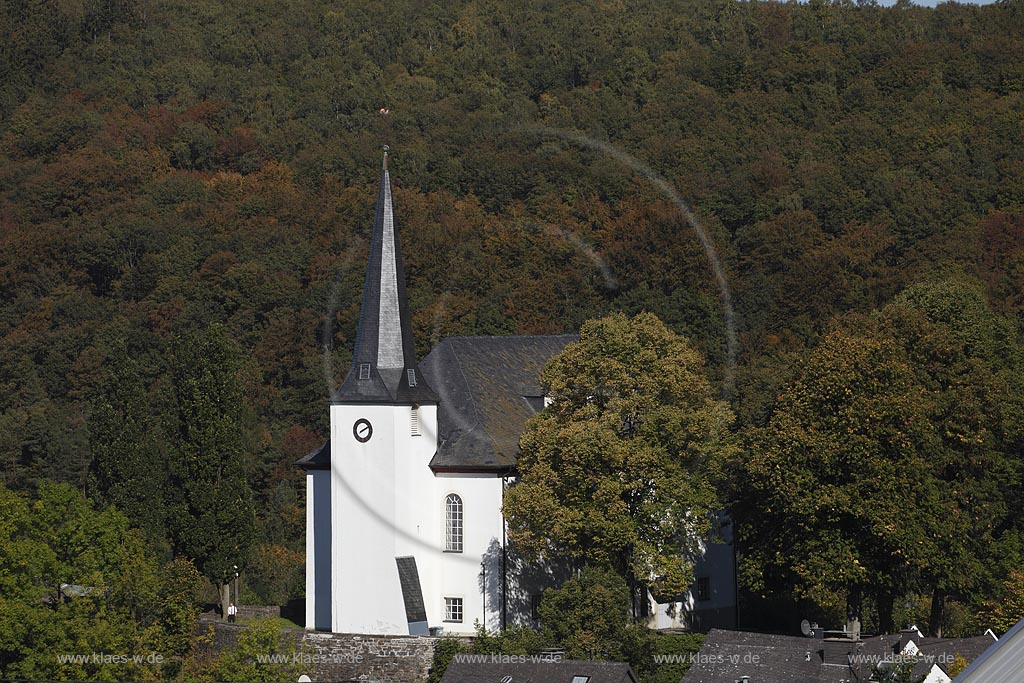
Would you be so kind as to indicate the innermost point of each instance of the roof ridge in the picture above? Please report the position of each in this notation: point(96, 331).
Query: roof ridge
point(507, 336)
point(469, 392)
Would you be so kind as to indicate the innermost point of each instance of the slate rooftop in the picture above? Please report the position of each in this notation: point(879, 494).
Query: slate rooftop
point(728, 656)
point(559, 671)
point(489, 387)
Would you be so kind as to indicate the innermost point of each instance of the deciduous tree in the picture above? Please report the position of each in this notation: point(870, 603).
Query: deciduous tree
point(620, 471)
point(888, 465)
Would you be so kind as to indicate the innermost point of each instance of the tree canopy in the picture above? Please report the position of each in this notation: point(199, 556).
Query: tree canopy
point(892, 463)
point(621, 469)
point(77, 579)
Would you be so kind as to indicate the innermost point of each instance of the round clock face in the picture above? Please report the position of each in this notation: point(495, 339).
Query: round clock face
point(362, 430)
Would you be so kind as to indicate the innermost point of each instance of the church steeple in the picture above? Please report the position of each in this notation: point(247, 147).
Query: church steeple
point(384, 367)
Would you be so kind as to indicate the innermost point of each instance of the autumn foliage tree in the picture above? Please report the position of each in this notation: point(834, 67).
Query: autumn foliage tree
point(620, 471)
point(889, 465)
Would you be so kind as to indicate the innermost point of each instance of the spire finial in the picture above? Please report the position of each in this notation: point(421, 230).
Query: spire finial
point(386, 149)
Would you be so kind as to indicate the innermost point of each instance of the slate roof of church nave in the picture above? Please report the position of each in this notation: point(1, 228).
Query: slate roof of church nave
point(488, 387)
point(485, 385)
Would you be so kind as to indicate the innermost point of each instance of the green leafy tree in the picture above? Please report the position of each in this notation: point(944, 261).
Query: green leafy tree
point(516, 639)
point(589, 616)
point(888, 465)
point(181, 587)
point(128, 466)
point(823, 511)
point(77, 581)
point(444, 652)
point(1006, 608)
point(621, 470)
point(955, 667)
point(211, 515)
point(251, 659)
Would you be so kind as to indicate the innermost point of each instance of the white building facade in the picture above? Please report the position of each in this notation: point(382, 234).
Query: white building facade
point(404, 531)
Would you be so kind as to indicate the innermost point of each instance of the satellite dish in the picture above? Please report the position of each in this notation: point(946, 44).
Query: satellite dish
point(805, 628)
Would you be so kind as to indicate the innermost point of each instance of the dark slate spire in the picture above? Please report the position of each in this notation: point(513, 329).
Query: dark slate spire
point(384, 367)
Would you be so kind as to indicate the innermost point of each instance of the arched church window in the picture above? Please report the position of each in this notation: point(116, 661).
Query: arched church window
point(453, 523)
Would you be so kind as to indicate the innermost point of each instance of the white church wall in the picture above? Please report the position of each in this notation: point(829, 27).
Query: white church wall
point(527, 581)
point(460, 574)
point(416, 516)
point(366, 597)
point(318, 549)
point(712, 605)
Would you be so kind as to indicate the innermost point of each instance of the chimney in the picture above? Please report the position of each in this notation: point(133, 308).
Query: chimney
point(909, 634)
point(836, 651)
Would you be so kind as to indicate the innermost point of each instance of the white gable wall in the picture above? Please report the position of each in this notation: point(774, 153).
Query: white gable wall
point(387, 503)
point(936, 675)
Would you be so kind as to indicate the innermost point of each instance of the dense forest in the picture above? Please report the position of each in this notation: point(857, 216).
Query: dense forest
point(186, 194)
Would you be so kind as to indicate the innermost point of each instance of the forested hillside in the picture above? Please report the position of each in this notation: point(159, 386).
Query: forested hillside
point(166, 166)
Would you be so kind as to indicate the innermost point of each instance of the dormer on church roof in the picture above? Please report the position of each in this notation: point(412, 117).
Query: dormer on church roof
point(384, 366)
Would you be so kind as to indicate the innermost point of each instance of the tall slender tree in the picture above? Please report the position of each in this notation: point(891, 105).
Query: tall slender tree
point(211, 514)
point(128, 466)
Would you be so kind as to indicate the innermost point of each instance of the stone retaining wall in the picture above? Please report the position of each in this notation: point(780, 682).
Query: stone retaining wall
point(387, 659)
point(258, 611)
point(344, 658)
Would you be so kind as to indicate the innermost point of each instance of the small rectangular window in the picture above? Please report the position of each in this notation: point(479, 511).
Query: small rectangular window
point(414, 421)
point(704, 588)
point(581, 679)
point(411, 374)
point(453, 610)
point(364, 371)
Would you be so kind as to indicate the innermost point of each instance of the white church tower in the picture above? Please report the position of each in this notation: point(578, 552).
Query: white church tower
point(391, 545)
